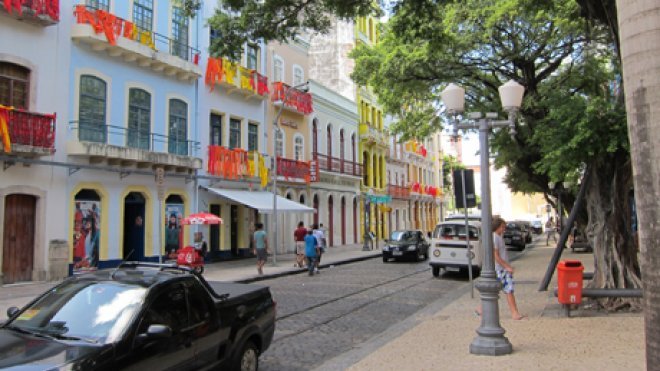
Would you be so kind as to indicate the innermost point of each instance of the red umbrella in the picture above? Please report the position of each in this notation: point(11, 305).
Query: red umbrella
point(201, 218)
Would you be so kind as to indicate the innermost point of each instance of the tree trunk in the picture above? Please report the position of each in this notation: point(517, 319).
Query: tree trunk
point(610, 230)
point(639, 31)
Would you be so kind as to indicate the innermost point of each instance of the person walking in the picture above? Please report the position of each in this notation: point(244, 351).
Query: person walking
point(260, 242)
point(503, 268)
point(299, 236)
point(550, 231)
point(311, 251)
point(320, 240)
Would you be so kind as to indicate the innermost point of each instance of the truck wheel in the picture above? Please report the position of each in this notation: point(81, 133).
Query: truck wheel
point(436, 271)
point(385, 260)
point(248, 359)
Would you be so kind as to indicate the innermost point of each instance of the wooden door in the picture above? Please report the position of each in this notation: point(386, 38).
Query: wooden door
point(343, 221)
point(330, 223)
point(18, 241)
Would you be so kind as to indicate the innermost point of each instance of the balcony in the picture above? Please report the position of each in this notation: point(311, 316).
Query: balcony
point(30, 134)
point(397, 191)
point(127, 148)
point(293, 100)
point(421, 191)
point(104, 32)
point(234, 163)
point(39, 12)
point(371, 136)
point(293, 171)
point(337, 165)
point(235, 78)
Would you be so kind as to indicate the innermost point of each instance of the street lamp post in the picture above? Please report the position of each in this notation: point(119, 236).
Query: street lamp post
point(276, 129)
point(490, 338)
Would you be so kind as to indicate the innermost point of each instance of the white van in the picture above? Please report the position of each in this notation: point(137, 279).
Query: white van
point(449, 249)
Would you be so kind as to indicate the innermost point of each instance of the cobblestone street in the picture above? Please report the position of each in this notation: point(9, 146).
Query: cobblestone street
point(323, 316)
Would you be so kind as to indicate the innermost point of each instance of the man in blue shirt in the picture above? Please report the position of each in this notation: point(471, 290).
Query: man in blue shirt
point(311, 251)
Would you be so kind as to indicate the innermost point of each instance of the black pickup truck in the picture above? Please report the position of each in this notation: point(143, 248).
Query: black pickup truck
point(143, 317)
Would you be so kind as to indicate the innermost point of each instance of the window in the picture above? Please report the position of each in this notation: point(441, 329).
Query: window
point(178, 133)
point(214, 34)
point(139, 118)
point(91, 109)
point(215, 138)
point(99, 4)
point(298, 75)
point(179, 33)
point(298, 148)
point(143, 14)
point(279, 143)
point(278, 69)
point(252, 54)
point(234, 133)
point(253, 137)
point(14, 85)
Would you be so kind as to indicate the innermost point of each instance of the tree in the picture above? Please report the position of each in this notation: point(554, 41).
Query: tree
point(571, 118)
point(639, 27)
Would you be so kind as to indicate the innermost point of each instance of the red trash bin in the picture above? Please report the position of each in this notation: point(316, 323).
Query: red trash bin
point(569, 281)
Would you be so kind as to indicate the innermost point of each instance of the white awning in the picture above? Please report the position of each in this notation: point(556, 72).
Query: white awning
point(262, 201)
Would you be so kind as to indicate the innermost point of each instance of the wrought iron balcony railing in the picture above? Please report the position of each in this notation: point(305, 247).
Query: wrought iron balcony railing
point(234, 76)
point(292, 170)
point(397, 191)
point(99, 132)
point(291, 98)
point(43, 12)
point(29, 131)
point(337, 165)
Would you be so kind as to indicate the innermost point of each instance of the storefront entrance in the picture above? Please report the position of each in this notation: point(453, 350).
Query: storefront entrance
point(133, 248)
point(18, 241)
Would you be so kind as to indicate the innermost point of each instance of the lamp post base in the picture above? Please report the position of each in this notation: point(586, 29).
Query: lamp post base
point(490, 338)
point(491, 346)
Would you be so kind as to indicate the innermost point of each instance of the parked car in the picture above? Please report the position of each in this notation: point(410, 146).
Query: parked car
point(537, 226)
point(449, 248)
point(140, 316)
point(527, 227)
point(515, 235)
point(475, 217)
point(406, 244)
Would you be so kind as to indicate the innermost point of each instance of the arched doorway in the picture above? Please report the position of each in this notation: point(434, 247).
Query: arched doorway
point(343, 221)
point(87, 229)
point(18, 240)
point(355, 221)
point(330, 222)
point(133, 244)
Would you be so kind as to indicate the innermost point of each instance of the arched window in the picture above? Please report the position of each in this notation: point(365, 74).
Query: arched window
point(329, 140)
point(91, 109)
point(139, 118)
point(178, 133)
point(298, 148)
point(279, 143)
point(341, 147)
point(14, 85)
point(353, 147)
point(314, 137)
point(298, 75)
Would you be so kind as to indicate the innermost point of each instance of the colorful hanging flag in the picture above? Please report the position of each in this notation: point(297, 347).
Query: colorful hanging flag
point(4, 128)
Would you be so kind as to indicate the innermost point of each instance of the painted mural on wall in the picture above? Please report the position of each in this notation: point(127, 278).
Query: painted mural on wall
point(173, 235)
point(86, 234)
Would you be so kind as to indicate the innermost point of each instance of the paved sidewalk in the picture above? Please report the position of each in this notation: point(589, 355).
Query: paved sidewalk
point(439, 338)
point(240, 270)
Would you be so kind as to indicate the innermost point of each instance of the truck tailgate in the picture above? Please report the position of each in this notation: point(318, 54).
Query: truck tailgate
point(227, 291)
